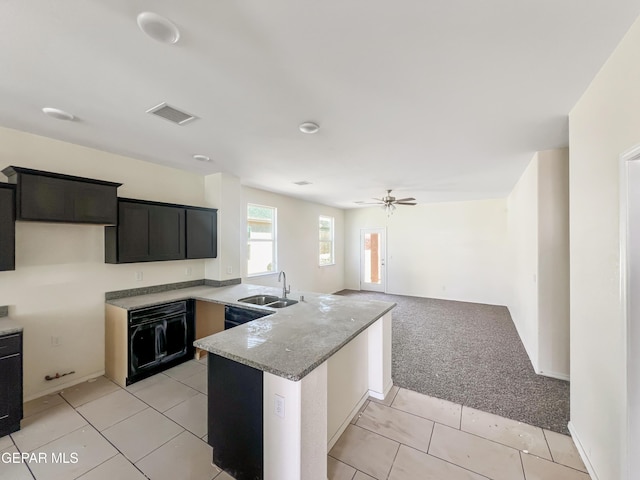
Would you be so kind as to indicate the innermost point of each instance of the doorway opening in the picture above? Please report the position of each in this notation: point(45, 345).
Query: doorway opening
point(373, 254)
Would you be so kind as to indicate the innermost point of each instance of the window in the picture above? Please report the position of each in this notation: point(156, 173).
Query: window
point(261, 234)
point(326, 241)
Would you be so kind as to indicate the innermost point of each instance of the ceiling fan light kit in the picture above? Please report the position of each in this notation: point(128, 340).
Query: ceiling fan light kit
point(388, 203)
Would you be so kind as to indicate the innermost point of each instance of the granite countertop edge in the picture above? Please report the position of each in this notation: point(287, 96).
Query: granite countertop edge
point(9, 326)
point(297, 375)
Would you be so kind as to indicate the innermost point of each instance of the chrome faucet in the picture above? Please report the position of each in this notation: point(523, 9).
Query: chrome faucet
point(282, 275)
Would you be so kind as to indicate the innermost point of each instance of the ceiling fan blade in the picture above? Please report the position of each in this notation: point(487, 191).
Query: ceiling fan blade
point(405, 203)
point(369, 203)
point(409, 199)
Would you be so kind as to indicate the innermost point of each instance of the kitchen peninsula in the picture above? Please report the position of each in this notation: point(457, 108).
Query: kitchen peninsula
point(283, 388)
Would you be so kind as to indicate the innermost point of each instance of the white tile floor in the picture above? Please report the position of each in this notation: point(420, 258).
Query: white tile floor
point(156, 429)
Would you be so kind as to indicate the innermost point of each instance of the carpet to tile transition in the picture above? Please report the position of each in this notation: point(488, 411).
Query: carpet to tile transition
point(471, 354)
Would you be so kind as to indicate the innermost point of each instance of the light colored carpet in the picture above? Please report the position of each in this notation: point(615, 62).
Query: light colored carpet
point(470, 354)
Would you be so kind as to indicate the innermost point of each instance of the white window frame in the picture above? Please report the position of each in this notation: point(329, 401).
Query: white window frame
point(274, 241)
point(333, 241)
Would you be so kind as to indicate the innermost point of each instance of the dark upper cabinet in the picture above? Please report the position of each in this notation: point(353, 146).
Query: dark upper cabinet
point(10, 383)
point(148, 232)
point(153, 231)
point(202, 233)
point(7, 227)
point(52, 197)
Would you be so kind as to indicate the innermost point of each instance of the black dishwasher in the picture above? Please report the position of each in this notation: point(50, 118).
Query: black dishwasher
point(159, 337)
point(234, 316)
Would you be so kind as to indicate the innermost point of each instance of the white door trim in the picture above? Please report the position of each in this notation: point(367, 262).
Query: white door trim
point(630, 306)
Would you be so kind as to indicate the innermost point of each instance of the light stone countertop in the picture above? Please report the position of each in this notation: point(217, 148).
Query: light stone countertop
point(291, 341)
point(7, 326)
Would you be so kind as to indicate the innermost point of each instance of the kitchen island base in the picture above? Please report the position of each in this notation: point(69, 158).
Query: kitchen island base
point(291, 425)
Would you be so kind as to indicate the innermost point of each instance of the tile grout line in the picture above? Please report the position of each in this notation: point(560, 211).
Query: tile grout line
point(557, 463)
point(394, 461)
point(348, 464)
point(388, 438)
point(148, 406)
point(53, 439)
point(548, 446)
point(117, 423)
point(433, 428)
point(105, 438)
point(26, 464)
point(416, 415)
point(524, 474)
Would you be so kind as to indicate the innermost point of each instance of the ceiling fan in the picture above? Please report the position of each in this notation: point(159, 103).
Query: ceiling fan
point(388, 203)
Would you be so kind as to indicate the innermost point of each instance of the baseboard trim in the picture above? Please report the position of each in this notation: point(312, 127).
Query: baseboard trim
point(583, 455)
point(346, 422)
point(61, 386)
point(383, 395)
point(559, 376)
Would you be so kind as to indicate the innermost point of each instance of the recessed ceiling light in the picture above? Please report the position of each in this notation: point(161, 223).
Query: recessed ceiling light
point(158, 27)
point(57, 113)
point(201, 158)
point(302, 183)
point(309, 127)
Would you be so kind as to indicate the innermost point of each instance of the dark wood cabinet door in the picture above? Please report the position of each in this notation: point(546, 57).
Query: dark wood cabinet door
point(42, 198)
point(133, 232)
point(7, 229)
point(10, 384)
point(166, 233)
point(235, 417)
point(94, 204)
point(202, 233)
point(51, 197)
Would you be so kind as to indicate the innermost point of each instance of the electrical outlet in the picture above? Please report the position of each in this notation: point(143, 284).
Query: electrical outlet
point(229, 270)
point(279, 406)
point(55, 341)
point(138, 276)
point(188, 271)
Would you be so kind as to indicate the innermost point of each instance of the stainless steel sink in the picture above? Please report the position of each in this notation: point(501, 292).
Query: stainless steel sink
point(259, 299)
point(283, 302)
point(268, 301)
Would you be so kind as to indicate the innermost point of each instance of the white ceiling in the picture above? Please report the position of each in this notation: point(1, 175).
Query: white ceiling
point(440, 100)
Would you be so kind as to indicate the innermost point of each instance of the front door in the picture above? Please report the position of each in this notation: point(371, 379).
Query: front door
point(372, 259)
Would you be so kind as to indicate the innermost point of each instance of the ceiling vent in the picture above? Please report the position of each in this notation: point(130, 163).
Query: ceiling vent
point(302, 182)
point(172, 114)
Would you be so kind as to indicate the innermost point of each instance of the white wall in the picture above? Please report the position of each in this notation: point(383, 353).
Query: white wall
point(60, 279)
point(553, 262)
point(223, 191)
point(298, 248)
point(604, 123)
point(539, 253)
point(523, 250)
point(453, 251)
